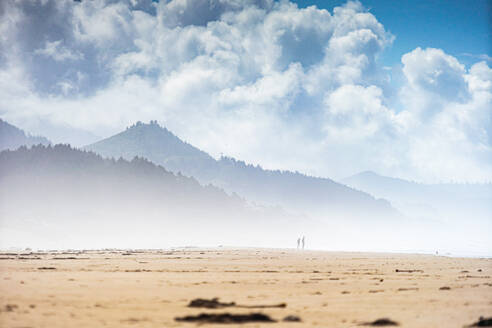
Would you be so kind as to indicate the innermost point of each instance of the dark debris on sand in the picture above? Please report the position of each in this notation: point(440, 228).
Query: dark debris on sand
point(209, 304)
point(381, 323)
point(409, 271)
point(11, 307)
point(226, 318)
point(280, 305)
point(214, 303)
point(482, 322)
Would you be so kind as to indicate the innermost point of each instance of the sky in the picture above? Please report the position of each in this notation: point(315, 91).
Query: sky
point(462, 28)
point(328, 88)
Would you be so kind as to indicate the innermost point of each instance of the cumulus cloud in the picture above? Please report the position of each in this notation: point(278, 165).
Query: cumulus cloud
point(450, 110)
point(356, 113)
point(58, 52)
point(433, 71)
point(263, 81)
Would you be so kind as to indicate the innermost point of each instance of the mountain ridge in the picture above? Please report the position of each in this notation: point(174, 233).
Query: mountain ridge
point(167, 154)
point(431, 201)
point(12, 137)
point(293, 190)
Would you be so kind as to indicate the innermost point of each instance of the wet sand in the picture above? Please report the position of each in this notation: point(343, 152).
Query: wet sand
point(323, 289)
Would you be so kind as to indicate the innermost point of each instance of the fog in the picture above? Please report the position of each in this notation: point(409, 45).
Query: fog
point(62, 198)
point(90, 227)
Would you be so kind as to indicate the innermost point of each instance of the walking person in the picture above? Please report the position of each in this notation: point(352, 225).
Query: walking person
point(303, 241)
point(298, 243)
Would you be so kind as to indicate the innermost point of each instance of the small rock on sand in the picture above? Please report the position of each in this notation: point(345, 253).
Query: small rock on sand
point(292, 318)
point(381, 323)
point(482, 322)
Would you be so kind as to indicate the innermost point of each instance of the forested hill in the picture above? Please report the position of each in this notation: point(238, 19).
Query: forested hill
point(12, 137)
point(291, 190)
point(159, 145)
point(68, 167)
point(57, 190)
point(431, 201)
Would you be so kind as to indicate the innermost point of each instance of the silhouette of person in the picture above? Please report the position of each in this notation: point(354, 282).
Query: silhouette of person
point(303, 241)
point(298, 243)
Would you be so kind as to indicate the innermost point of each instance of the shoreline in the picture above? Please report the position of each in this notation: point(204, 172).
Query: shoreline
point(456, 255)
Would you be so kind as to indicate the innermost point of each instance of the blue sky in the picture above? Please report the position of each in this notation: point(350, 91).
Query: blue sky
point(462, 28)
point(276, 83)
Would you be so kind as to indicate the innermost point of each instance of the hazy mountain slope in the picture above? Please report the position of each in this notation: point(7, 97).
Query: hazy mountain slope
point(12, 137)
point(76, 197)
point(437, 201)
point(156, 144)
point(294, 191)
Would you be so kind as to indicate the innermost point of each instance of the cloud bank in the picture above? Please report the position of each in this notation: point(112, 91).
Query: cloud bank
point(264, 81)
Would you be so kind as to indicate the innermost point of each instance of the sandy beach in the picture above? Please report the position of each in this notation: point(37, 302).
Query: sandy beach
point(116, 288)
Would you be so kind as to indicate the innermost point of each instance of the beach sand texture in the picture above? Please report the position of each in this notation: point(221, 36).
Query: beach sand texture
point(113, 288)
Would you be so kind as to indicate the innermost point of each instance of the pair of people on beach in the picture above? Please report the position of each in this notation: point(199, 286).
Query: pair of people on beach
point(299, 240)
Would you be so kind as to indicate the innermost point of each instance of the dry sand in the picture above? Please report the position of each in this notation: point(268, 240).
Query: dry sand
point(324, 289)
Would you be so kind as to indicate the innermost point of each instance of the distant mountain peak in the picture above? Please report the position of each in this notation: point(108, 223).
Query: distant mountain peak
point(372, 177)
point(147, 131)
point(154, 142)
point(11, 137)
point(151, 124)
point(368, 174)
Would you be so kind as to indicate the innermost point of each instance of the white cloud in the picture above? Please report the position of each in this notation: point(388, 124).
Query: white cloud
point(58, 52)
point(433, 71)
point(484, 57)
point(263, 81)
point(480, 78)
point(102, 22)
point(354, 112)
point(451, 111)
